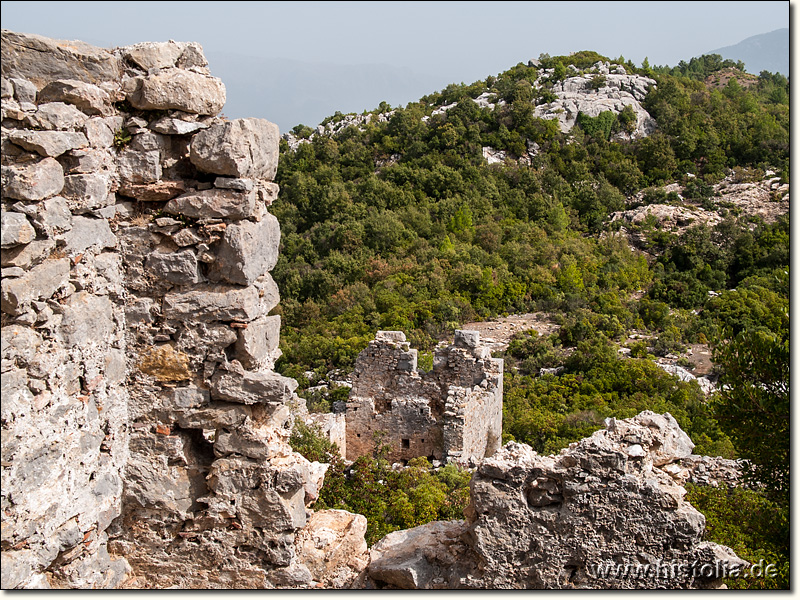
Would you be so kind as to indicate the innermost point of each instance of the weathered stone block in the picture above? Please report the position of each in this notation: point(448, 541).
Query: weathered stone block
point(24, 90)
point(165, 363)
point(158, 191)
point(189, 397)
point(86, 233)
point(173, 126)
point(87, 319)
point(214, 303)
point(33, 181)
point(247, 251)
point(16, 230)
point(86, 96)
point(225, 204)
point(252, 388)
point(42, 60)
point(135, 166)
point(176, 267)
point(53, 216)
point(40, 283)
point(57, 116)
point(176, 89)
point(88, 191)
point(48, 143)
point(99, 133)
point(257, 345)
point(28, 255)
point(240, 148)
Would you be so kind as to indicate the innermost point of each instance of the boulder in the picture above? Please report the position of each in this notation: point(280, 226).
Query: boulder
point(247, 251)
point(176, 89)
point(173, 126)
point(33, 181)
point(332, 547)
point(239, 148)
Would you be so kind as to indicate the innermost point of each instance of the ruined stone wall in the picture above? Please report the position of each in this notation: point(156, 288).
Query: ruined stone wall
point(568, 521)
point(139, 400)
point(453, 412)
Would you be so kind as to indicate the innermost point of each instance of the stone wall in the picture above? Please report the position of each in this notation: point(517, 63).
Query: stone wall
point(454, 412)
point(606, 513)
point(139, 400)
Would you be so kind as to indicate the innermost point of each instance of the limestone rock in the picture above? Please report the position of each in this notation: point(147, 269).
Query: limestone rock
point(257, 344)
point(42, 60)
point(238, 148)
point(57, 116)
point(87, 319)
point(426, 557)
point(214, 203)
point(177, 89)
point(138, 167)
point(214, 303)
point(332, 547)
point(33, 181)
point(40, 283)
point(157, 191)
point(176, 267)
point(48, 143)
point(86, 233)
point(99, 133)
point(88, 97)
point(173, 126)
point(247, 251)
point(16, 230)
point(88, 191)
point(28, 255)
point(53, 216)
point(24, 90)
point(558, 521)
point(250, 387)
point(163, 55)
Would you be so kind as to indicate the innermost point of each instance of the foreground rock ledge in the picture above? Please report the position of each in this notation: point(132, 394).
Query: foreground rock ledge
point(557, 521)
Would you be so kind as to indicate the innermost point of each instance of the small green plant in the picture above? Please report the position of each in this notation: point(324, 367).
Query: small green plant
point(122, 137)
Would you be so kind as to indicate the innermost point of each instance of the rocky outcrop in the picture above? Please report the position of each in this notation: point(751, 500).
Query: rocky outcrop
point(454, 412)
point(765, 197)
point(145, 435)
point(613, 91)
point(606, 513)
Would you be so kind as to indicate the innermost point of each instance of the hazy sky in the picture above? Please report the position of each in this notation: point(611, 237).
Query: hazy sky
point(458, 41)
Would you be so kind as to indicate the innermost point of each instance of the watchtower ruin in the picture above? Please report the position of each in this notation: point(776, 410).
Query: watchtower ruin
point(453, 412)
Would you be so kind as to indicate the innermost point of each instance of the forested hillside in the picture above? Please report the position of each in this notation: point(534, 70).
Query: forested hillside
point(401, 223)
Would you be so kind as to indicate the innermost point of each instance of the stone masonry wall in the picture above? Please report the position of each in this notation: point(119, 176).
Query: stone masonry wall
point(139, 400)
point(454, 412)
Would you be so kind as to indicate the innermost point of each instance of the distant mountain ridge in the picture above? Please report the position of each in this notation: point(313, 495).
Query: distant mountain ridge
point(764, 52)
